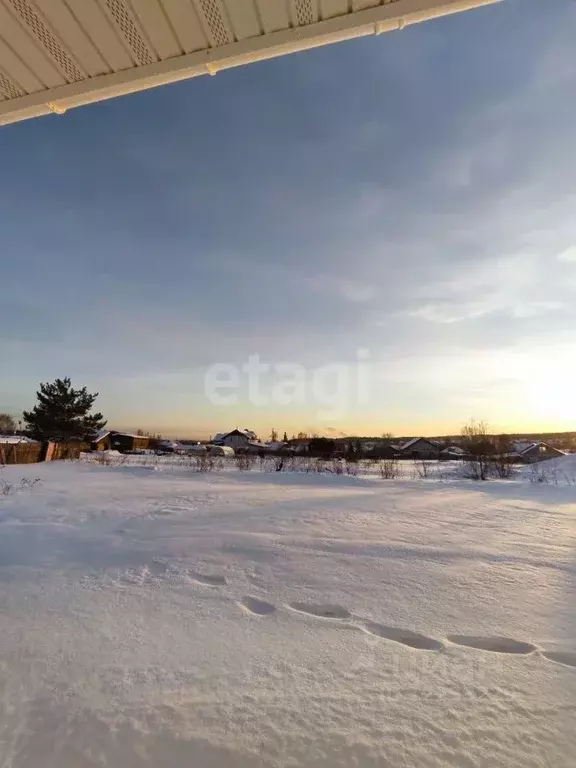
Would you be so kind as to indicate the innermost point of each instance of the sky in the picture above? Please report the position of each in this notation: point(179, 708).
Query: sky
point(386, 227)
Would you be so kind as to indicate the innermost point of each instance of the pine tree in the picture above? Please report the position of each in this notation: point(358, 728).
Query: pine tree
point(273, 435)
point(62, 413)
point(285, 438)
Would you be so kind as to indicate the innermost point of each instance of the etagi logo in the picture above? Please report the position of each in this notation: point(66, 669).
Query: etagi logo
point(334, 389)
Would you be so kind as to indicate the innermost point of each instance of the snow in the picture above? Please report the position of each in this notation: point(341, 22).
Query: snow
point(155, 616)
point(101, 434)
point(555, 471)
point(454, 450)
point(12, 439)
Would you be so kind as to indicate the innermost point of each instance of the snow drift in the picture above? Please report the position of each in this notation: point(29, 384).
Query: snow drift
point(261, 619)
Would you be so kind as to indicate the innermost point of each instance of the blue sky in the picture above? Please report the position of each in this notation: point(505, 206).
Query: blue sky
point(411, 194)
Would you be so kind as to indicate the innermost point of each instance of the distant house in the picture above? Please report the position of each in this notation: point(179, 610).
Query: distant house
point(238, 438)
point(452, 452)
point(529, 453)
point(376, 448)
point(420, 448)
point(253, 446)
point(124, 442)
point(275, 445)
point(110, 439)
point(387, 451)
point(101, 441)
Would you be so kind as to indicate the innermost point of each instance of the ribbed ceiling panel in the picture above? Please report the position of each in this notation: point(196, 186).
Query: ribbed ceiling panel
point(58, 54)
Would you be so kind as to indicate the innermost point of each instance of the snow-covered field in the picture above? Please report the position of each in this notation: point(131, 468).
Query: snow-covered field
point(161, 617)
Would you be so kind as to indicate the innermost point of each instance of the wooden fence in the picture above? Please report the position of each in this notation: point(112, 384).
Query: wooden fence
point(30, 453)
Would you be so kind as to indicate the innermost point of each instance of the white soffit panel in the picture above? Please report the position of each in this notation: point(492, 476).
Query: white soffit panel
point(59, 54)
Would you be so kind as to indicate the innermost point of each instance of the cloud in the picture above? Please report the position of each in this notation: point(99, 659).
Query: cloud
point(568, 255)
point(371, 194)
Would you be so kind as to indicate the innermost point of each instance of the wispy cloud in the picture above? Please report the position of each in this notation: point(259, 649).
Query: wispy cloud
point(365, 195)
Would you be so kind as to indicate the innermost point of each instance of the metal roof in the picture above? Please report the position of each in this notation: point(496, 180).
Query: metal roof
point(58, 54)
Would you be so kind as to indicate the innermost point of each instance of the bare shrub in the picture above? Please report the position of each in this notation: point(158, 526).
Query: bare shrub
point(29, 483)
point(351, 468)
point(105, 459)
point(545, 473)
point(336, 467)
point(389, 469)
point(441, 473)
point(6, 488)
point(479, 450)
point(279, 463)
point(502, 461)
point(503, 467)
point(539, 474)
point(203, 462)
point(422, 468)
point(245, 461)
point(315, 465)
point(26, 484)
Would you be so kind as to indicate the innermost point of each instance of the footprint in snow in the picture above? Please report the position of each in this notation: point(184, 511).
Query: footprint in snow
point(208, 580)
point(321, 610)
point(568, 658)
point(404, 636)
point(257, 607)
point(493, 644)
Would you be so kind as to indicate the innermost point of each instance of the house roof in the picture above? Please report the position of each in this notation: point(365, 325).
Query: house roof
point(522, 448)
point(15, 439)
point(455, 449)
point(127, 434)
point(101, 434)
point(241, 432)
point(55, 55)
point(415, 440)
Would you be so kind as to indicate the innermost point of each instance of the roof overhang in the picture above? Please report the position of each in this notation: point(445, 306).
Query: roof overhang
point(59, 54)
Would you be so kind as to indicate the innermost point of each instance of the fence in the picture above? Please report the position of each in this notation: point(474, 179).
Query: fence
point(30, 453)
